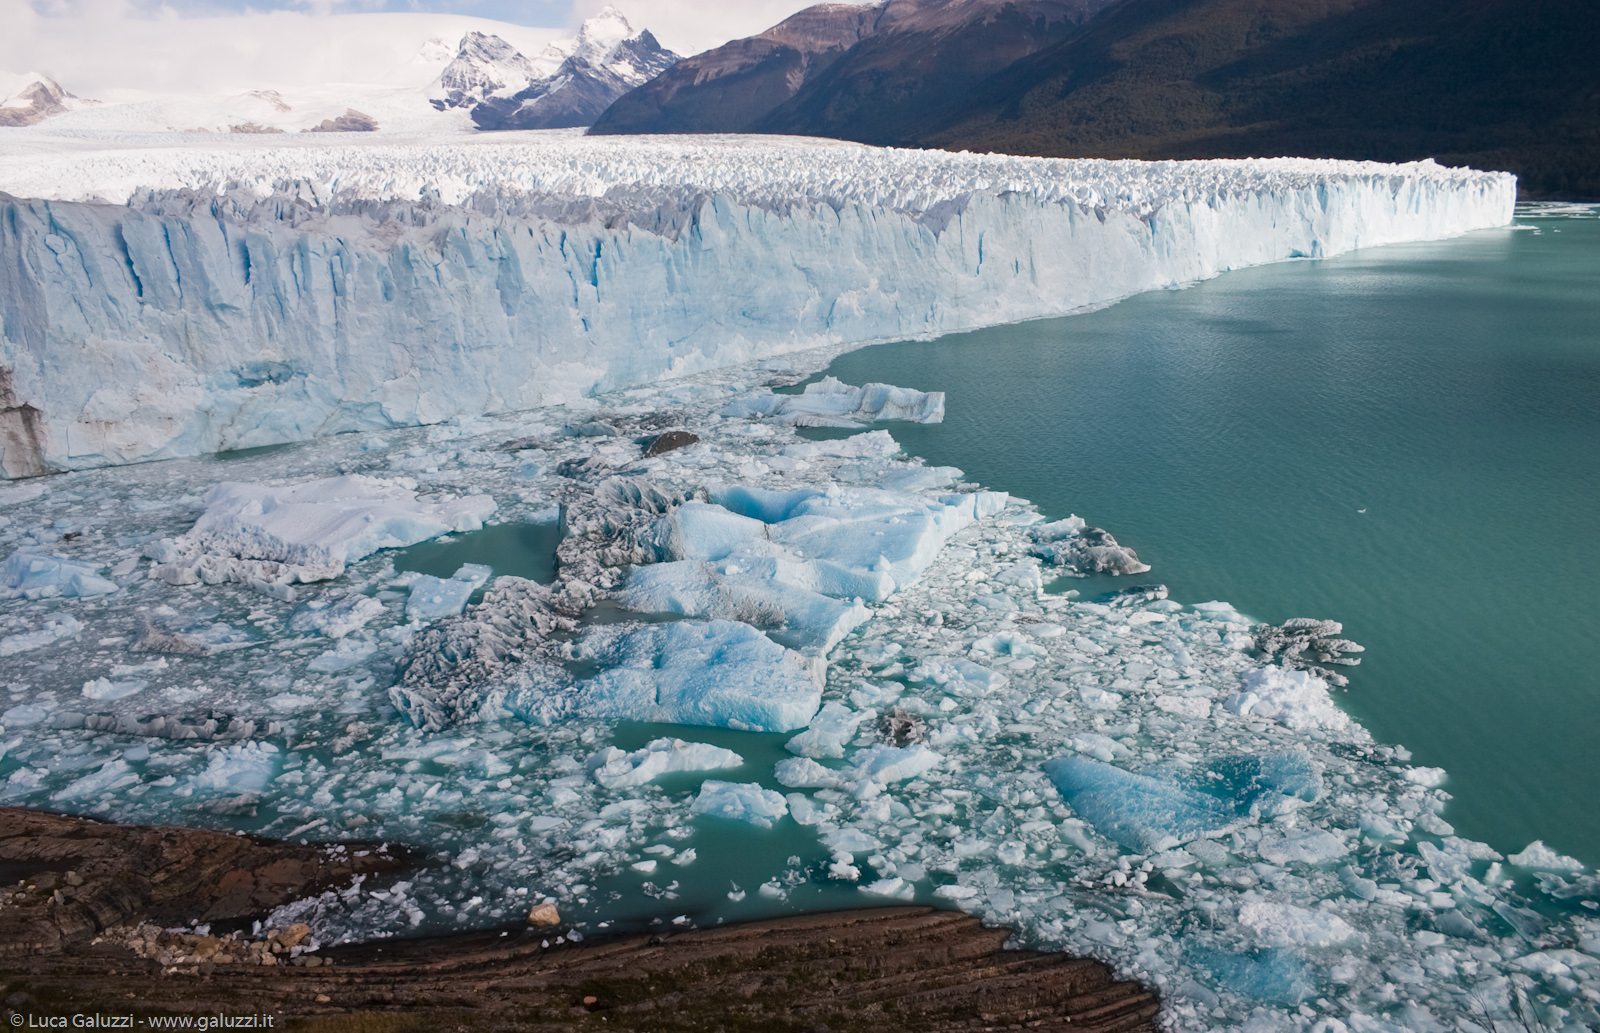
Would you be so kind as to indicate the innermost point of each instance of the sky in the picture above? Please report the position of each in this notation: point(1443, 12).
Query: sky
point(95, 48)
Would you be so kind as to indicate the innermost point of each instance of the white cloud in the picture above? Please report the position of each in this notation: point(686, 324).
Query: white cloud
point(104, 47)
point(690, 26)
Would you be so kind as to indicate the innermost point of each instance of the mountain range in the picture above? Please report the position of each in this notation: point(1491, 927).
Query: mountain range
point(417, 87)
point(1491, 83)
point(566, 86)
point(864, 72)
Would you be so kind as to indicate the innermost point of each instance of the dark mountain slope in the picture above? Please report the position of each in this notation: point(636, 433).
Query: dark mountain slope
point(1489, 83)
point(892, 83)
point(857, 72)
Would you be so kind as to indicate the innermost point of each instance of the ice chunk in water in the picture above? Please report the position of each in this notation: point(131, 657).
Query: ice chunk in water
point(54, 629)
point(338, 619)
point(830, 403)
point(850, 841)
point(111, 776)
point(244, 767)
point(1296, 699)
point(1272, 974)
point(1539, 857)
point(846, 543)
point(24, 715)
point(716, 672)
point(349, 653)
point(740, 801)
point(883, 763)
point(433, 597)
point(317, 527)
point(1311, 846)
point(1144, 814)
point(1284, 925)
point(30, 574)
point(1006, 643)
point(106, 690)
point(832, 727)
point(805, 773)
point(753, 593)
point(872, 444)
point(614, 768)
point(959, 676)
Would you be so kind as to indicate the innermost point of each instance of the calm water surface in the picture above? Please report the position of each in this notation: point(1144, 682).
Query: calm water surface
point(1405, 439)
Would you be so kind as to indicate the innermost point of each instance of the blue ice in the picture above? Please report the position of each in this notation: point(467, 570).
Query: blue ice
point(718, 672)
point(37, 575)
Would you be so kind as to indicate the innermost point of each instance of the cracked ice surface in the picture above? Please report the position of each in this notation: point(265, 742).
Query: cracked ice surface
point(192, 299)
point(1094, 774)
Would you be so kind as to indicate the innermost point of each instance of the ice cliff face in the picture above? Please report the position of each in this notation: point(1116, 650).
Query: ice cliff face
point(172, 302)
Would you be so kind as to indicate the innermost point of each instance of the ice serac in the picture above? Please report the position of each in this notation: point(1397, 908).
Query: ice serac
point(191, 300)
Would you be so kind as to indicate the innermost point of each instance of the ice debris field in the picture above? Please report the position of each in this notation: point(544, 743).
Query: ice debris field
point(167, 297)
point(777, 668)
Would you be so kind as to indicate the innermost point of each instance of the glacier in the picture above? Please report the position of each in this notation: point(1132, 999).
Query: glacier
point(196, 297)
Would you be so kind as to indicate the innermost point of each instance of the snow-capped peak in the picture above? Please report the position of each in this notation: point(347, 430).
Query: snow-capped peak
point(33, 97)
point(598, 35)
point(598, 38)
point(483, 65)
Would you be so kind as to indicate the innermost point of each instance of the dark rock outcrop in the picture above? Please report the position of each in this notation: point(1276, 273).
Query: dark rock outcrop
point(71, 878)
point(906, 969)
point(352, 121)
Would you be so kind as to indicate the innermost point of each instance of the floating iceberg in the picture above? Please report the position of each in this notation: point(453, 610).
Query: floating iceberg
point(1539, 857)
point(740, 801)
point(614, 768)
point(830, 403)
point(693, 672)
point(883, 763)
point(435, 597)
point(1144, 814)
point(306, 532)
point(1295, 699)
point(1149, 814)
point(826, 735)
point(54, 629)
point(29, 574)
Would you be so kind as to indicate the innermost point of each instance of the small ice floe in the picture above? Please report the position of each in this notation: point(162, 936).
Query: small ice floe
point(830, 403)
point(31, 574)
point(615, 769)
point(740, 801)
point(1538, 857)
point(1090, 550)
point(435, 597)
point(56, 628)
point(105, 691)
point(1296, 699)
point(718, 673)
point(306, 532)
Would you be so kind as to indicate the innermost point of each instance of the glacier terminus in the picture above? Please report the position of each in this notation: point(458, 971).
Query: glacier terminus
point(163, 301)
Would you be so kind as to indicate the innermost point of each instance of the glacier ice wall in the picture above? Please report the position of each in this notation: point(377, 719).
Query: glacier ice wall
point(158, 303)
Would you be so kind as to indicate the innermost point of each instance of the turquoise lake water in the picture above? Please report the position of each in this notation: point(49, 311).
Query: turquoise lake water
point(1405, 439)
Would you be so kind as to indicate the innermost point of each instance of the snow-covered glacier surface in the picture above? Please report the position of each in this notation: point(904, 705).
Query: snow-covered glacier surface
point(878, 691)
point(168, 297)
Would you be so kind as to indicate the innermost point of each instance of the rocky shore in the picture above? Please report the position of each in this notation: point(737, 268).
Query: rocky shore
point(113, 919)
